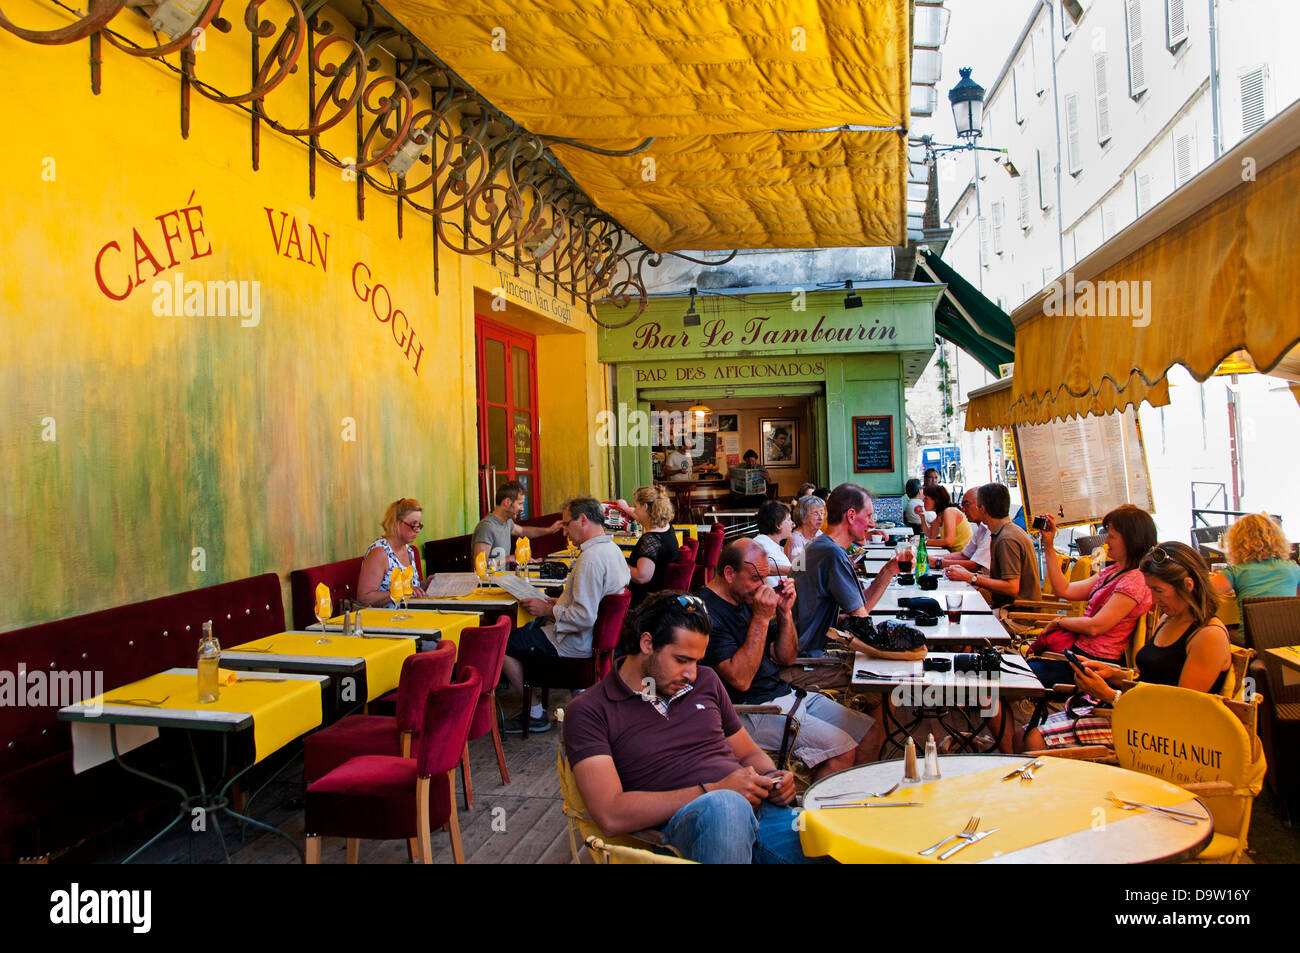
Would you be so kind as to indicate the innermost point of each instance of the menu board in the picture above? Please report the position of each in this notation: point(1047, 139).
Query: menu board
point(1078, 470)
point(873, 444)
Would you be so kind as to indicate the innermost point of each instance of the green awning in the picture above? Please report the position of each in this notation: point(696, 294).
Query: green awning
point(967, 318)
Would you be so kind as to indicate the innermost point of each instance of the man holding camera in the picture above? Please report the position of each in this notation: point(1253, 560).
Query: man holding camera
point(753, 637)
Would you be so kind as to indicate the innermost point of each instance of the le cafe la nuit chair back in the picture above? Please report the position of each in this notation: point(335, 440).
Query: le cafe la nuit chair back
point(377, 797)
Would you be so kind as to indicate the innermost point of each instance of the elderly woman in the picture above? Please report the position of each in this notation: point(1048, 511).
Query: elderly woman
point(950, 529)
point(809, 515)
point(1259, 561)
point(1189, 649)
point(1117, 596)
point(657, 547)
point(774, 529)
point(394, 550)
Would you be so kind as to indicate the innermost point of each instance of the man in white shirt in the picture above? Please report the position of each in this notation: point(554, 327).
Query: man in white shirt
point(677, 465)
point(975, 556)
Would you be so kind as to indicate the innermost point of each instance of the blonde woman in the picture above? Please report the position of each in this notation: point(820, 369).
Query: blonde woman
point(1259, 561)
point(657, 547)
point(402, 523)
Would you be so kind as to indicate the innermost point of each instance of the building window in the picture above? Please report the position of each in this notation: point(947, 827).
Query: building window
point(984, 240)
point(1024, 201)
point(1019, 92)
point(1042, 61)
point(1142, 182)
point(1176, 31)
point(1044, 202)
point(997, 228)
point(1254, 98)
point(1072, 133)
point(1071, 14)
point(1102, 93)
point(1108, 229)
point(1137, 75)
point(1184, 157)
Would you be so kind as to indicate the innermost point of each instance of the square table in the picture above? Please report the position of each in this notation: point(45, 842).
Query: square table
point(1289, 656)
point(274, 709)
point(973, 629)
point(939, 695)
point(425, 625)
point(972, 602)
point(374, 661)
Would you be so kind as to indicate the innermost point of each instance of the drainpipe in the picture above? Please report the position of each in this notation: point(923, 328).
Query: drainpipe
point(1214, 78)
point(1056, 109)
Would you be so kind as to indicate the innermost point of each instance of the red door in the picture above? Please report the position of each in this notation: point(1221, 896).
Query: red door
point(507, 411)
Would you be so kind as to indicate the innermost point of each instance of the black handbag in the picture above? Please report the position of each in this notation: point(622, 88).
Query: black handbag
point(887, 635)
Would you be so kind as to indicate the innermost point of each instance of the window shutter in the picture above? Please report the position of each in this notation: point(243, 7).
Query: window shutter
point(1176, 18)
point(1019, 92)
point(1107, 223)
point(1137, 77)
point(1044, 190)
point(1184, 157)
point(1143, 192)
point(1072, 133)
point(1024, 200)
point(1068, 18)
point(997, 227)
point(1103, 98)
point(1042, 62)
point(1254, 111)
point(984, 240)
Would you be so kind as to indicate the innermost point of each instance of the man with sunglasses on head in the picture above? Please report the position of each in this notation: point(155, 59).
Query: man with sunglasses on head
point(562, 627)
point(976, 556)
point(657, 744)
point(753, 638)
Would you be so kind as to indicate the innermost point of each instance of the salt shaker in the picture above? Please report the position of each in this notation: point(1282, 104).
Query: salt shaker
point(910, 774)
point(931, 772)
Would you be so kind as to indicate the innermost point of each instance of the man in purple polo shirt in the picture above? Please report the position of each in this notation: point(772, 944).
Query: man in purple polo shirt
point(658, 744)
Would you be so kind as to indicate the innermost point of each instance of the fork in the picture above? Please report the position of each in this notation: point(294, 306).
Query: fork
point(142, 702)
point(1169, 812)
point(836, 797)
point(966, 832)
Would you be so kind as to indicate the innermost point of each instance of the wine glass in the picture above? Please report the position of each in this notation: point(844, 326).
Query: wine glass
point(324, 611)
point(396, 592)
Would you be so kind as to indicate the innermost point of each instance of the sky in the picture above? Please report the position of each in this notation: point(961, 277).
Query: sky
point(980, 35)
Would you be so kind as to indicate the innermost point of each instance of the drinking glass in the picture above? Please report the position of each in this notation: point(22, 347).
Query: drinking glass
point(954, 600)
point(322, 619)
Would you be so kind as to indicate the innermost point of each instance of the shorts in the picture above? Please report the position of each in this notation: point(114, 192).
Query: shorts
point(530, 642)
point(826, 728)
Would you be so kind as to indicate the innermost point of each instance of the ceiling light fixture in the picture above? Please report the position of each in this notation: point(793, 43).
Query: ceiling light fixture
point(851, 300)
point(691, 319)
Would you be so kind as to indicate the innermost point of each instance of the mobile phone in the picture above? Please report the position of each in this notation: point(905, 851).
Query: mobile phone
point(1074, 660)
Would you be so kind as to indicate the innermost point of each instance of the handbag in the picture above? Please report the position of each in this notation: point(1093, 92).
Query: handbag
point(887, 635)
point(1058, 640)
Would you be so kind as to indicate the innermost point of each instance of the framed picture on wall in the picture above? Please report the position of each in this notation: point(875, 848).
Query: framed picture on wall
point(728, 423)
point(780, 442)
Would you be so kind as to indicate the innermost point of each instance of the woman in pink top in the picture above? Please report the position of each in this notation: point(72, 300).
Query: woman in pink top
point(1117, 596)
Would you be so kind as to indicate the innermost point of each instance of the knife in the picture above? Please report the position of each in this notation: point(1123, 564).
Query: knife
point(833, 807)
point(1023, 768)
point(966, 843)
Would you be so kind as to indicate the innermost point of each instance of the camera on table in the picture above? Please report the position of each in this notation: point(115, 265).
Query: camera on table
point(986, 663)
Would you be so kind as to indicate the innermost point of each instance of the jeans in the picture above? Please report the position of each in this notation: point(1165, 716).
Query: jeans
point(721, 828)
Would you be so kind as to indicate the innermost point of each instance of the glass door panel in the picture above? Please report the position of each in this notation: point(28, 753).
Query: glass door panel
point(507, 421)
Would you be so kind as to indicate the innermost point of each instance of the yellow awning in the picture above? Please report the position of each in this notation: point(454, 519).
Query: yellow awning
point(1215, 267)
point(734, 93)
point(994, 407)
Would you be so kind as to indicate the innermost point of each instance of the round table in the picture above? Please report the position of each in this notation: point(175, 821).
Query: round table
point(1125, 837)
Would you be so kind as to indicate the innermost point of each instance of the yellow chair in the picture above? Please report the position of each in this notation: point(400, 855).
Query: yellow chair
point(597, 851)
point(1206, 744)
point(581, 824)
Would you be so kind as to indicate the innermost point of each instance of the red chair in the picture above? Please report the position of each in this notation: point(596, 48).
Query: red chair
point(356, 735)
point(546, 673)
point(706, 560)
point(686, 552)
point(483, 648)
point(380, 797)
point(678, 574)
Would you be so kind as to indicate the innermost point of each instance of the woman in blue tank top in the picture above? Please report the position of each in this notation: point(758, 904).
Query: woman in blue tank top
point(394, 550)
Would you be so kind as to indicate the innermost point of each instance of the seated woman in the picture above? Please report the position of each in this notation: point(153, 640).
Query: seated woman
point(1117, 596)
point(914, 506)
point(774, 529)
point(950, 529)
point(657, 547)
point(809, 515)
point(805, 489)
point(1259, 561)
point(402, 524)
point(1189, 649)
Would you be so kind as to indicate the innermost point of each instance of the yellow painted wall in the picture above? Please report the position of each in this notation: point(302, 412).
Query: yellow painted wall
point(132, 438)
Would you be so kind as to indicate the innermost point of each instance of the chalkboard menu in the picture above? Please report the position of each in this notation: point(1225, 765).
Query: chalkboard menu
point(873, 444)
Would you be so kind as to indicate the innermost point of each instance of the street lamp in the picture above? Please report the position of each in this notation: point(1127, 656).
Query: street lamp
point(967, 99)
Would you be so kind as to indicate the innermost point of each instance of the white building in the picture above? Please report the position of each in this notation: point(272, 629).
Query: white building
point(1105, 107)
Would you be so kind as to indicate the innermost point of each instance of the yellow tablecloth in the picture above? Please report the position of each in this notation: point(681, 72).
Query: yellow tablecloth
point(1064, 797)
point(450, 625)
point(384, 657)
point(281, 710)
point(522, 615)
